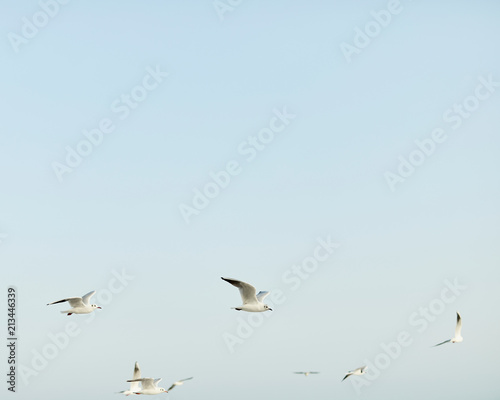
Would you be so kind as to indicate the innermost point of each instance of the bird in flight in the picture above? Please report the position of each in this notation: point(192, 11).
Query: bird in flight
point(134, 386)
point(81, 305)
point(252, 301)
point(178, 383)
point(306, 373)
point(357, 371)
point(458, 336)
point(149, 386)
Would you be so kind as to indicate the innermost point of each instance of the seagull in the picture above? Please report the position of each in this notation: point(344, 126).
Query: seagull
point(134, 386)
point(252, 302)
point(306, 373)
point(149, 386)
point(178, 383)
point(458, 337)
point(81, 305)
point(357, 371)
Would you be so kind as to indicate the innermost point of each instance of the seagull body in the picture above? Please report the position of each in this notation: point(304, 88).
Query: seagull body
point(81, 305)
point(252, 301)
point(134, 386)
point(306, 373)
point(149, 386)
point(178, 383)
point(458, 336)
point(357, 371)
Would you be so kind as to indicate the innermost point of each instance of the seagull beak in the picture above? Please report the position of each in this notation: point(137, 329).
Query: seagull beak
point(270, 309)
point(100, 308)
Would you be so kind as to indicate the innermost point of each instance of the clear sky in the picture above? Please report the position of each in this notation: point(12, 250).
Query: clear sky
point(343, 155)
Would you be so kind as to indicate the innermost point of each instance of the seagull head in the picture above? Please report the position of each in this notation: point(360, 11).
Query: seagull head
point(267, 308)
point(96, 306)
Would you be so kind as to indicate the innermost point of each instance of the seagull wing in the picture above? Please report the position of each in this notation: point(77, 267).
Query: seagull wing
point(137, 371)
point(313, 372)
point(458, 328)
point(262, 295)
point(86, 298)
point(186, 379)
point(171, 387)
point(299, 372)
point(156, 381)
point(73, 302)
point(147, 383)
point(134, 386)
point(247, 291)
point(347, 376)
point(439, 344)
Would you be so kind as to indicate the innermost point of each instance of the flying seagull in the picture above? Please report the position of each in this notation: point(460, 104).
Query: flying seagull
point(357, 371)
point(458, 337)
point(306, 373)
point(252, 301)
point(178, 383)
point(149, 386)
point(81, 305)
point(134, 386)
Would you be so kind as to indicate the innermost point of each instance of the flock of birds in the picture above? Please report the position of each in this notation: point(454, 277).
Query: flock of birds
point(252, 302)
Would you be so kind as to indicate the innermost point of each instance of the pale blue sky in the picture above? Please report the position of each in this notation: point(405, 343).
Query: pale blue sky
point(322, 176)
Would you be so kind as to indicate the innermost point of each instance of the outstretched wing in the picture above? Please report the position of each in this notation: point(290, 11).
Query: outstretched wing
point(134, 386)
point(458, 328)
point(299, 372)
point(156, 381)
point(86, 298)
point(73, 302)
point(347, 376)
point(147, 383)
point(247, 291)
point(439, 344)
point(179, 382)
point(137, 371)
point(262, 295)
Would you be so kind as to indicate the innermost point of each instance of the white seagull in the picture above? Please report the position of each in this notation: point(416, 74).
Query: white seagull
point(458, 337)
point(252, 301)
point(178, 383)
point(306, 373)
point(149, 386)
point(357, 371)
point(81, 305)
point(134, 386)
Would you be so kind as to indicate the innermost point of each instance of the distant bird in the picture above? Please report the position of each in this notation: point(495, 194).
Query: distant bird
point(81, 305)
point(252, 302)
point(134, 386)
point(357, 371)
point(306, 373)
point(149, 386)
point(178, 383)
point(458, 337)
